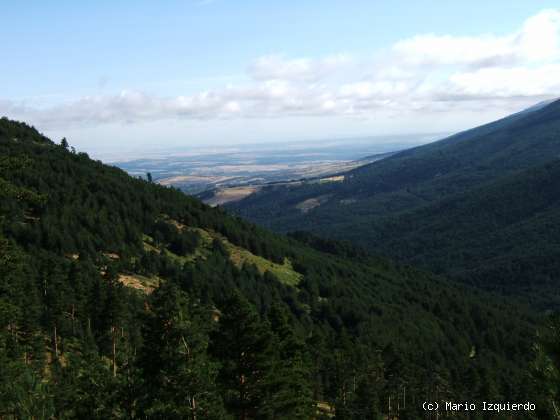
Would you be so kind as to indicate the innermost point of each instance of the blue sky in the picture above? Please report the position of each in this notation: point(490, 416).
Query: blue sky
point(123, 75)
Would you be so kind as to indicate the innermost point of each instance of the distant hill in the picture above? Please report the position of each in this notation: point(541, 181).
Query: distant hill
point(504, 235)
point(416, 182)
point(127, 299)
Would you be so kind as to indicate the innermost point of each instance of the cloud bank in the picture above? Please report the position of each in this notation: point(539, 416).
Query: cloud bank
point(425, 73)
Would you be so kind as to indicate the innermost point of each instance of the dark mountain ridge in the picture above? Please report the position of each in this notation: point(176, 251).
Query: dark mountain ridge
point(504, 235)
point(425, 173)
point(411, 205)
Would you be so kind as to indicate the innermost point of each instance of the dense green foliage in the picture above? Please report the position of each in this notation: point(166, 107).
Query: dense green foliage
point(218, 338)
point(504, 236)
point(481, 206)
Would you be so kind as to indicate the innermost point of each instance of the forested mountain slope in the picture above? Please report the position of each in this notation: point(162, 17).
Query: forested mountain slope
point(504, 235)
point(124, 299)
point(414, 177)
point(467, 206)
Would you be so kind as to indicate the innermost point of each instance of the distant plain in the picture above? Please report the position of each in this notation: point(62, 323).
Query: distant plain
point(223, 174)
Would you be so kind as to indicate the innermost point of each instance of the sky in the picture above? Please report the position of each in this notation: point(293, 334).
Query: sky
point(121, 76)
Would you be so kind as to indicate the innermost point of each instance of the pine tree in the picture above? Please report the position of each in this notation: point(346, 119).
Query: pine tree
point(178, 378)
point(30, 396)
point(546, 369)
point(290, 390)
point(243, 345)
point(85, 386)
point(113, 314)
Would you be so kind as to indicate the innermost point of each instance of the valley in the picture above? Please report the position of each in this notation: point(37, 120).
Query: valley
point(223, 175)
point(104, 274)
point(313, 210)
point(463, 206)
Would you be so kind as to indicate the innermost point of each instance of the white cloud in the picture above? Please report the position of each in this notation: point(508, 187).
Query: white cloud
point(277, 67)
point(445, 50)
point(422, 74)
point(537, 40)
point(507, 82)
point(540, 37)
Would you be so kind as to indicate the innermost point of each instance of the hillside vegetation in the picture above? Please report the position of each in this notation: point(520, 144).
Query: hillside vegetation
point(480, 205)
point(504, 236)
point(124, 299)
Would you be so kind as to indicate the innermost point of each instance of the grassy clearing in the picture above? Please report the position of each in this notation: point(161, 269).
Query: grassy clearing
point(202, 251)
point(285, 272)
point(148, 244)
point(142, 283)
point(325, 409)
point(228, 195)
